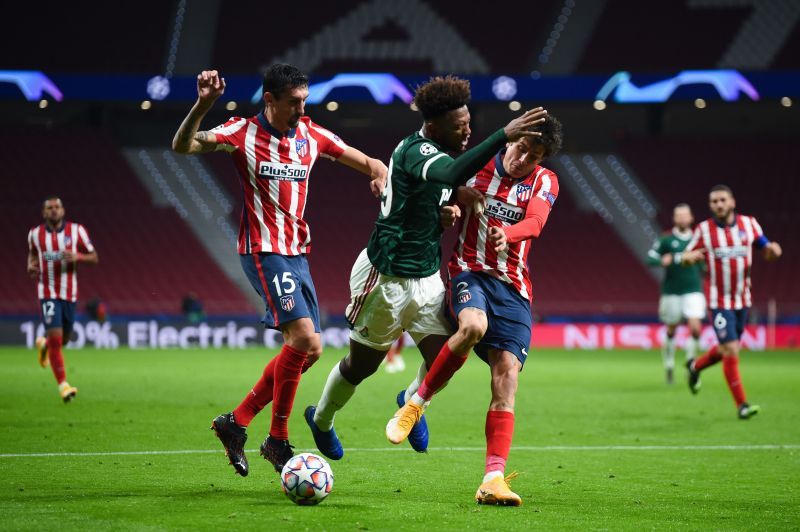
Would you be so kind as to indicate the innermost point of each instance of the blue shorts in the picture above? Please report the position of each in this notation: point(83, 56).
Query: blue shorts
point(284, 284)
point(507, 312)
point(57, 313)
point(728, 324)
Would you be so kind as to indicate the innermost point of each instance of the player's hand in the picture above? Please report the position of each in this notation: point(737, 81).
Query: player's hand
point(449, 215)
point(498, 238)
point(470, 196)
point(666, 259)
point(210, 86)
point(520, 126)
point(33, 270)
point(69, 256)
point(772, 252)
point(377, 174)
point(692, 257)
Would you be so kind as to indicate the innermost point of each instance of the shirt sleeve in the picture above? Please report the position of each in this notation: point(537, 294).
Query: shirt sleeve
point(330, 145)
point(536, 213)
point(654, 255)
point(697, 241)
point(84, 242)
point(230, 135)
point(428, 163)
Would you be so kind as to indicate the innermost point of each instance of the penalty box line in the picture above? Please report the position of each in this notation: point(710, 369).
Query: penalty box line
point(523, 448)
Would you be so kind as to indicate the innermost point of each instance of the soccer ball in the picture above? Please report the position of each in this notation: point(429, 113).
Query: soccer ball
point(307, 479)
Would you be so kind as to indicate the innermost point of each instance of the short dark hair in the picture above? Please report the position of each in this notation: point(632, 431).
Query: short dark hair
point(50, 197)
point(722, 188)
point(552, 137)
point(281, 77)
point(439, 95)
point(682, 205)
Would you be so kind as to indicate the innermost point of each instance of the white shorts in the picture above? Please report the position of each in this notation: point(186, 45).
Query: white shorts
point(673, 309)
point(382, 307)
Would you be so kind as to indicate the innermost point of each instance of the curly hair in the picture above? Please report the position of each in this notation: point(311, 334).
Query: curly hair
point(440, 95)
point(552, 137)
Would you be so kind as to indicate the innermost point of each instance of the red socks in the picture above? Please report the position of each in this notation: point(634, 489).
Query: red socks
point(258, 398)
point(56, 358)
point(499, 431)
point(261, 394)
point(709, 359)
point(288, 368)
point(444, 367)
point(730, 366)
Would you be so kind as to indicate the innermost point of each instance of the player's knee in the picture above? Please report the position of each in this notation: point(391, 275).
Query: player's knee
point(472, 331)
point(300, 335)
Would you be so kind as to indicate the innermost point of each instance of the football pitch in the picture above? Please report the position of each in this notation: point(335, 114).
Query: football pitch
point(600, 443)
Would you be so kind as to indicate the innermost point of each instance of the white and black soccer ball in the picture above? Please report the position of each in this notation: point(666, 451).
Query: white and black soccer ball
point(307, 479)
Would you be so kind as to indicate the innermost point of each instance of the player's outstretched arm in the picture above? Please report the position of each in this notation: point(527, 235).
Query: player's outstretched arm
point(772, 252)
point(456, 172)
point(374, 168)
point(210, 86)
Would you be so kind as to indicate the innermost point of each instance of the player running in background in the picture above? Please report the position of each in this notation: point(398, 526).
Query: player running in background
point(274, 152)
point(681, 291)
point(54, 250)
point(726, 242)
point(507, 204)
point(395, 282)
point(394, 362)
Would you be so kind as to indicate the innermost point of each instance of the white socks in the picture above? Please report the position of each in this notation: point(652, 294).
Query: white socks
point(492, 474)
point(414, 386)
point(691, 348)
point(668, 352)
point(335, 395)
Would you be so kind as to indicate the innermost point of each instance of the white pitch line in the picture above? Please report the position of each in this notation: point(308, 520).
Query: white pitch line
point(540, 448)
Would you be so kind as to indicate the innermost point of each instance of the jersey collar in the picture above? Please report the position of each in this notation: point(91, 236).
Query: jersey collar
point(723, 225)
point(271, 130)
point(682, 236)
point(57, 229)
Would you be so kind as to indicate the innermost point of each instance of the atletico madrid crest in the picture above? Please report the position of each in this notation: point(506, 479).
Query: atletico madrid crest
point(287, 303)
point(301, 147)
point(524, 192)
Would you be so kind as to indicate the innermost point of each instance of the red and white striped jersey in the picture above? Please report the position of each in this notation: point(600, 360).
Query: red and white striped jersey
point(507, 201)
point(58, 279)
point(729, 258)
point(274, 170)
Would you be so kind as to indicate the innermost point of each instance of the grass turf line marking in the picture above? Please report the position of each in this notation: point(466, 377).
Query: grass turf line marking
point(541, 448)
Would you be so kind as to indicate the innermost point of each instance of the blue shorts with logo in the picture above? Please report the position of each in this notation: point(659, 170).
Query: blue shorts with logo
point(284, 284)
point(507, 312)
point(728, 324)
point(57, 313)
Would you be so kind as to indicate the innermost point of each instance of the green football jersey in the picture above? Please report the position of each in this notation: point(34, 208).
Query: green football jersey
point(678, 279)
point(421, 179)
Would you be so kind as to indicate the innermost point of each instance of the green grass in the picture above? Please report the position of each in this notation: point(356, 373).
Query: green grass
point(164, 400)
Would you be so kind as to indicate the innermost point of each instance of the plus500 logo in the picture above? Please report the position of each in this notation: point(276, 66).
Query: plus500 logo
point(282, 171)
point(503, 211)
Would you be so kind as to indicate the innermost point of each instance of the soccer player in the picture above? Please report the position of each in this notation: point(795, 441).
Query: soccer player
point(726, 242)
point(274, 152)
point(507, 204)
point(395, 283)
point(54, 250)
point(681, 294)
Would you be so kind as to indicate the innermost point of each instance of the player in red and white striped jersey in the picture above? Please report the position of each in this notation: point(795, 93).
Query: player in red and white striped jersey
point(506, 205)
point(54, 250)
point(274, 153)
point(726, 243)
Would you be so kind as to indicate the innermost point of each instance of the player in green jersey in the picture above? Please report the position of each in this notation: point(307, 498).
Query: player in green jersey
point(395, 283)
point(681, 291)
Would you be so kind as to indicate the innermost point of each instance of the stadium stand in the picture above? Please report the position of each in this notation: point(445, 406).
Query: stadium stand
point(149, 259)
